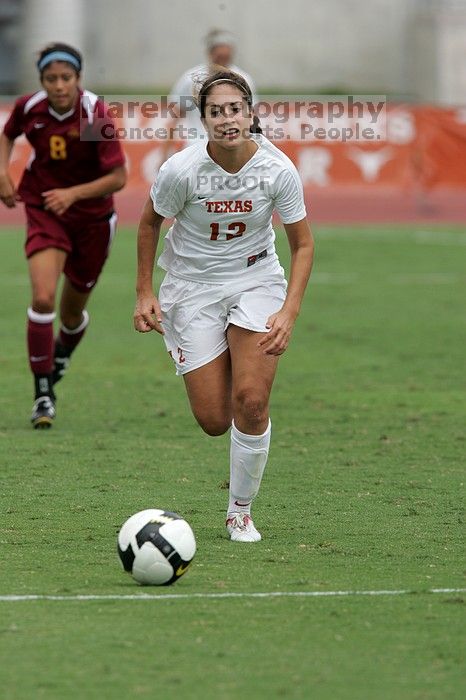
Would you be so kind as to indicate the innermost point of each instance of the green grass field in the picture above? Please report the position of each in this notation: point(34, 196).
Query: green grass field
point(363, 492)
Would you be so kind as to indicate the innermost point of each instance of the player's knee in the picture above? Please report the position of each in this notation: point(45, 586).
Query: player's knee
point(214, 426)
point(43, 302)
point(251, 404)
point(72, 320)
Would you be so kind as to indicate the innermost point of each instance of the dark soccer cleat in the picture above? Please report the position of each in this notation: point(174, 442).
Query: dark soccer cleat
point(43, 412)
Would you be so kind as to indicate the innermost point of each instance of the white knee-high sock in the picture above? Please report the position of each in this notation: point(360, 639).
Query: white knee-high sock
point(248, 457)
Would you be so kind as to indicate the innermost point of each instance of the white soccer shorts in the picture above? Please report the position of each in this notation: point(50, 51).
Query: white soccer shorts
point(196, 315)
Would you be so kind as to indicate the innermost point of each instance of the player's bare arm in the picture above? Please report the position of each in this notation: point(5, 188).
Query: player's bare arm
point(281, 323)
point(147, 314)
point(59, 200)
point(8, 193)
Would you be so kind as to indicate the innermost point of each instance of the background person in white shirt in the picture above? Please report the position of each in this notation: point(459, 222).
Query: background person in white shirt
point(225, 309)
point(220, 49)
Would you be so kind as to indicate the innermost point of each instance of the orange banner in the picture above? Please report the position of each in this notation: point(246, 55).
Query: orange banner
point(423, 149)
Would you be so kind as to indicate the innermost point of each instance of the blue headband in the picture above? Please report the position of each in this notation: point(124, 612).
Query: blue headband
point(59, 56)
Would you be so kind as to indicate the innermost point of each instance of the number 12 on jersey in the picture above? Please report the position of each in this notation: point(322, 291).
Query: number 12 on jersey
point(237, 226)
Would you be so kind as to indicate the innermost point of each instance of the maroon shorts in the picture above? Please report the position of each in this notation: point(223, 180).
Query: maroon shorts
point(87, 243)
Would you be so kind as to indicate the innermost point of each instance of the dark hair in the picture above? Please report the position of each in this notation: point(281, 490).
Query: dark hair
point(227, 76)
point(75, 58)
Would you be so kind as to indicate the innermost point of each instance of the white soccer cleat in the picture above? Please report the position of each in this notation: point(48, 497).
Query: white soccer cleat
point(241, 528)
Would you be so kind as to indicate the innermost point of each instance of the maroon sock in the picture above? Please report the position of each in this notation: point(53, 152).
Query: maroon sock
point(40, 341)
point(70, 337)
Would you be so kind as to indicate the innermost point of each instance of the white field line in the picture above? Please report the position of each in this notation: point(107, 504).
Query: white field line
point(409, 278)
point(440, 238)
point(206, 596)
point(375, 235)
point(428, 278)
point(321, 277)
point(421, 278)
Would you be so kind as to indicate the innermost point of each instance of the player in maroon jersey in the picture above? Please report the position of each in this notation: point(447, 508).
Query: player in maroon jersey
point(67, 192)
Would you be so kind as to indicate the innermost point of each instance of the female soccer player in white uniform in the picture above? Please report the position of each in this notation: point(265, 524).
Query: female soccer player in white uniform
point(224, 308)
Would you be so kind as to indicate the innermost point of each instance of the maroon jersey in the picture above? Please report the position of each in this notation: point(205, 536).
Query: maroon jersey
point(61, 159)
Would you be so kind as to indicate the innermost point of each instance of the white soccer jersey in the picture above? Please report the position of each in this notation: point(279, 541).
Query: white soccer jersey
point(186, 87)
point(223, 221)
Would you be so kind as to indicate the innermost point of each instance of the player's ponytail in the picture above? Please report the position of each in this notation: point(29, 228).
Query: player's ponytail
point(255, 127)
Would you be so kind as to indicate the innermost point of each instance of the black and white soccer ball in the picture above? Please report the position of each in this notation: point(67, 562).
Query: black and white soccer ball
point(156, 546)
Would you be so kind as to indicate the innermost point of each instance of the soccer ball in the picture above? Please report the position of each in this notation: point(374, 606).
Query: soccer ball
point(156, 546)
